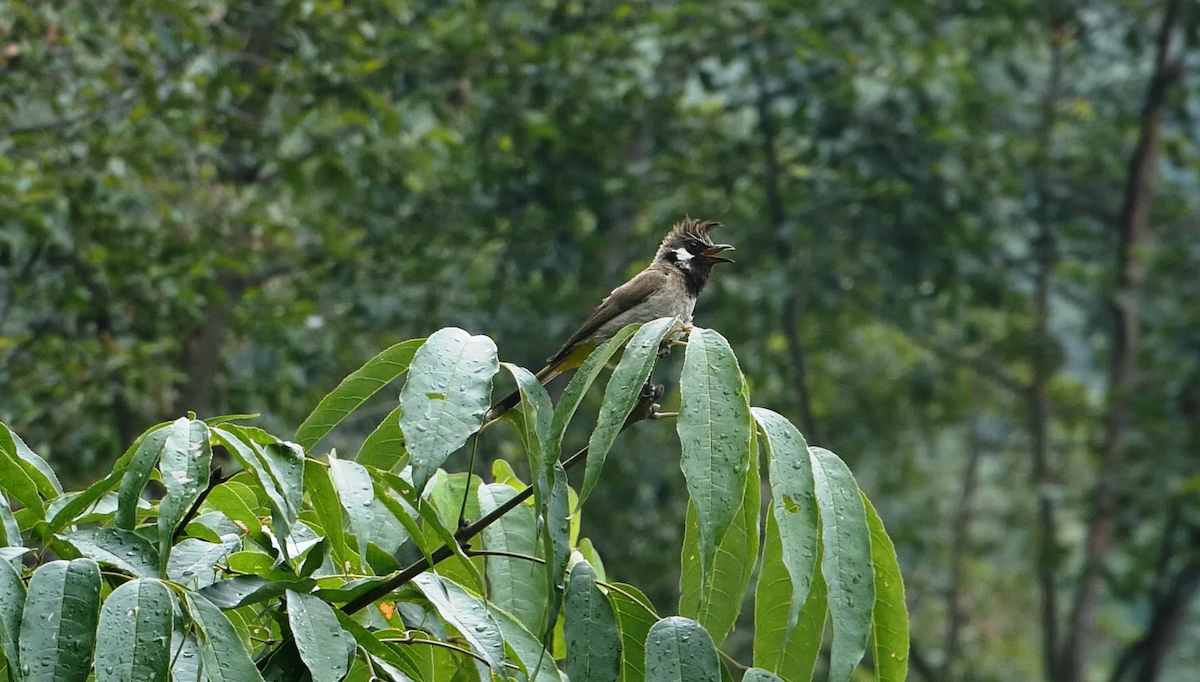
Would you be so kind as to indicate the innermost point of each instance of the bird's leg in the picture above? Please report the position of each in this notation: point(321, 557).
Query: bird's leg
point(647, 405)
point(676, 337)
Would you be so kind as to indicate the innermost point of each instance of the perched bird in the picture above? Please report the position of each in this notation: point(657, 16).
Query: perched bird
point(668, 287)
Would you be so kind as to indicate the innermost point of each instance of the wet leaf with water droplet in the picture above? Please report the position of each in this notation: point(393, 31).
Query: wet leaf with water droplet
point(324, 646)
point(58, 626)
point(679, 650)
point(133, 641)
point(847, 553)
point(459, 367)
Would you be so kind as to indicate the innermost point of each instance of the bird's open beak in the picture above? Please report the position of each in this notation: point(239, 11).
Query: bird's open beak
point(715, 251)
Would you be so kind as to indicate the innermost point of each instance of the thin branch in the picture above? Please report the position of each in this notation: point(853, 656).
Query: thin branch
point(499, 553)
point(733, 661)
point(630, 597)
point(214, 480)
point(462, 512)
point(445, 645)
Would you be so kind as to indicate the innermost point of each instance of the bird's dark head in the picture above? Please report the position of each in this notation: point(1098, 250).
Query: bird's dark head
point(689, 248)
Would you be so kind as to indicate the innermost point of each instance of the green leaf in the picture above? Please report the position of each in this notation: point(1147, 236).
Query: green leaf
point(133, 481)
point(514, 584)
point(185, 462)
point(35, 467)
point(889, 617)
point(679, 650)
point(193, 562)
point(715, 431)
point(9, 525)
point(224, 656)
point(58, 626)
point(447, 492)
point(12, 605)
point(556, 539)
point(14, 480)
point(468, 614)
point(122, 549)
point(846, 564)
point(384, 447)
point(134, 639)
point(589, 553)
point(369, 641)
point(793, 503)
point(590, 629)
point(354, 390)
point(636, 616)
point(582, 380)
point(760, 675)
point(243, 590)
point(238, 503)
point(781, 646)
point(324, 646)
point(277, 468)
point(621, 395)
point(402, 510)
point(85, 501)
point(716, 603)
point(185, 657)
point(356, 493)
point(322, 494)
point(445, 397)
point(285, 462)
point(532, 418)
point(526, 646)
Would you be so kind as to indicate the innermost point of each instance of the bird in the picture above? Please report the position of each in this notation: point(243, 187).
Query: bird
point(668, 287)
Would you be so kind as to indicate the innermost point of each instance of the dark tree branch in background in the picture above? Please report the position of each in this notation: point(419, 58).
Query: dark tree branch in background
point(1046, 258)
point(920, 664)
point(793, 306)
point(1143, 660)
point(960, 541)
point(1133, 233)
point(19, 275)
point(124, 420)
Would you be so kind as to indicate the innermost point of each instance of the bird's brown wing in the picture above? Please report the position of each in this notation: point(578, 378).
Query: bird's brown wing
point(623, 298)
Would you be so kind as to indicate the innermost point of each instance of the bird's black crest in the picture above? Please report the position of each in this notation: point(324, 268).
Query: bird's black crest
point(691, 228)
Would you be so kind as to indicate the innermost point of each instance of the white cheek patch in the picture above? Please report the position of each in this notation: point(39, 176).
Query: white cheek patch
point(683, 255)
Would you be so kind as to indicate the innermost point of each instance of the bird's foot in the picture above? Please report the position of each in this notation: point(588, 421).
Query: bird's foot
point(652, 391)
point(647, 405)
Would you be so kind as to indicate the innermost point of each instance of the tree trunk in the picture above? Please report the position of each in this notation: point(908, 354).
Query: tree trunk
point(1039, 359)
point(792, 308)
point(1133, 234)
point(960, 542)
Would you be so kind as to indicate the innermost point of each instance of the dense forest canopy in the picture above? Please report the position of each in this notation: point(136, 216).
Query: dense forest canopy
point(967, 254)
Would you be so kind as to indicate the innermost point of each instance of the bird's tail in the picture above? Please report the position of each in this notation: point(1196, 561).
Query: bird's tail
point(500, 407)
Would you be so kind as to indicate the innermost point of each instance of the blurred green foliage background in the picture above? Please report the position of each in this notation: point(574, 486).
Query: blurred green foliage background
point(228, 206)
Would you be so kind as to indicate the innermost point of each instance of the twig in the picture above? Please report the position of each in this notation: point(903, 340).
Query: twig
point(213, 481)
point(445, 645)
point(462, 512)
point(630, 597)
point(499, 553)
